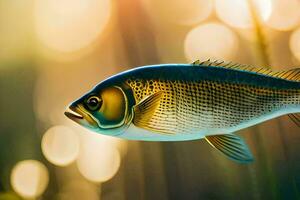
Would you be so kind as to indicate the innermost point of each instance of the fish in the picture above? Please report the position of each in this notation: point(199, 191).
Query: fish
point(209, 100)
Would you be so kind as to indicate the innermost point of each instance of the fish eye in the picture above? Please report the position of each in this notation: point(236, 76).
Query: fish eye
point(93, 103)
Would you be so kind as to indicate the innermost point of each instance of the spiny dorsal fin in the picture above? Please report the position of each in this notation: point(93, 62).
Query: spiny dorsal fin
point(295, 118)
point(231, 146)
point(145, 109)
point(196, 62)
point(292, 74)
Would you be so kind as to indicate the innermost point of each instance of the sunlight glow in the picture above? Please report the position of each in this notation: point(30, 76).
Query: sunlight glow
point(295, 43)
point(285, 14)
point(70, 25)
point(237, 13)
point(29, 178)
point(98, 160)
point(120, 144)
point(213, 40)
point(60, 145)
point(180, 11)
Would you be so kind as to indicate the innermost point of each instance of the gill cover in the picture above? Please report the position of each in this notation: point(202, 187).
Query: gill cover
point(114, 108)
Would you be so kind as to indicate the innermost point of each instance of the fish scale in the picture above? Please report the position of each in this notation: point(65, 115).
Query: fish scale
point(189, 107)
point(176, 102)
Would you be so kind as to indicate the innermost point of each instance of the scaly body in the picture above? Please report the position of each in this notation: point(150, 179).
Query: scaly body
point(222, 101)
point(191, 101)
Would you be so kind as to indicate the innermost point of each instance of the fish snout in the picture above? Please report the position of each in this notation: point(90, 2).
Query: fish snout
point(73, 113)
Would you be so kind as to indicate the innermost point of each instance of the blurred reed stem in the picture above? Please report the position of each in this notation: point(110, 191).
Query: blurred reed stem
point(260, 41)
point(263, 55)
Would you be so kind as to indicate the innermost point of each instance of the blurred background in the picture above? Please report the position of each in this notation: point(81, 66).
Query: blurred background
point(51, 52)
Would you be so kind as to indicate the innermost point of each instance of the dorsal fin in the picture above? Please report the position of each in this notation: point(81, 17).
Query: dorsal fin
point(292, 74)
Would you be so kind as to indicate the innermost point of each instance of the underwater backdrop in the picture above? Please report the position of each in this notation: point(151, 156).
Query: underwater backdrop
point(51, 52)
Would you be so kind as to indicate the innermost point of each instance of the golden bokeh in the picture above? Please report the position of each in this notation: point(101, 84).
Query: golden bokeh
point(29, 178)
point(60, 145)
point(285, 14)
point(237, 13)
point(98, 160)
point(295, 43)
point(70, 25)
point(16, 35)
point(54, 52)
point(210, 41)
point(120, 144)
point(179, 11)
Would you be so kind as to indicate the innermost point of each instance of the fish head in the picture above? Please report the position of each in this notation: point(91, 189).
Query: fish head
point(105, 109)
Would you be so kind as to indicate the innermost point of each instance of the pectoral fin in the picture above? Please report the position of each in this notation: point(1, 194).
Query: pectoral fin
point(145, 109)
point(232, 146)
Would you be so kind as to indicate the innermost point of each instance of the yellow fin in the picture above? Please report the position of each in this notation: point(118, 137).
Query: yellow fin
point(231, 146)
point(295, 118)
point(196, 62)
point(292, 74)
point(145, 109)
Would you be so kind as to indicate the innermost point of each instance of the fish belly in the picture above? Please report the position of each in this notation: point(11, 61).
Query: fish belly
point(192, 110)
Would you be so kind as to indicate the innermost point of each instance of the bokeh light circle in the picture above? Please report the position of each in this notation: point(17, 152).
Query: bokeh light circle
point(237, 13)
point(285, 14)
point(120, 144)
point(60, 145)
point(98, 161)
point(295, 43)
point(180, 11)
point(210, 41)
point(29, 178)
point(70, 25)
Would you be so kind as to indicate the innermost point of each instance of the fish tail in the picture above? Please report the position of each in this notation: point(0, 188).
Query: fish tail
point(294, 75)
point(295, 117)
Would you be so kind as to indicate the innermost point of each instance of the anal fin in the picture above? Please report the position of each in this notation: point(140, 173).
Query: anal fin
point(295, 118)
point(231, 146)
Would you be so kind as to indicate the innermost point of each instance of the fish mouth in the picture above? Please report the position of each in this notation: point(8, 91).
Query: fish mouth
point(73, 114)
point(78, 115)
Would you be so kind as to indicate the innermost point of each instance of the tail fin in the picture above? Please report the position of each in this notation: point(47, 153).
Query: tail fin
point(293, 75)
point(295, 118)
